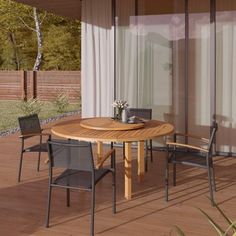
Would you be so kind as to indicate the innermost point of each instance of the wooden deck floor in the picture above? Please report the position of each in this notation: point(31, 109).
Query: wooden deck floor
point(22, 205)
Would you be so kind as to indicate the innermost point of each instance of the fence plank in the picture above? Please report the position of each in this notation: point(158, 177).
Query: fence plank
point(46, 85)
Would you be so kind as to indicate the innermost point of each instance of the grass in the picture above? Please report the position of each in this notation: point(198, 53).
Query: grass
point(10, 111)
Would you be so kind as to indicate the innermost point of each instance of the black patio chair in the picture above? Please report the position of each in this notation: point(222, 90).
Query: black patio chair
point(29, 128)
point(146, 114)
point(79, 172)
point(192, 155)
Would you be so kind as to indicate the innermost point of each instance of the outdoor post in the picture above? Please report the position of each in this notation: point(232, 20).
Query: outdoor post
point(24, 86)
point(34, 88)
point(33, 83)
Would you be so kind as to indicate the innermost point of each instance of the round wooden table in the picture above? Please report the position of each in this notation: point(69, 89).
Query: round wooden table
point(73, 130)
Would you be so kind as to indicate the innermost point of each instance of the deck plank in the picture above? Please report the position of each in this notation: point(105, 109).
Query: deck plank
point(23, 205)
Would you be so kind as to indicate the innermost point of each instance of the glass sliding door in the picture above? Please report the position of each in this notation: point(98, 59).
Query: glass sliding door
point(150, 57)
point(226, 75)
point(178, 57)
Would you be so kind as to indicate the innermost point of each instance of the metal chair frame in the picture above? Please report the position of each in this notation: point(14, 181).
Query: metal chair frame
point(30, 127)
point(72, 173)
point(197, 156)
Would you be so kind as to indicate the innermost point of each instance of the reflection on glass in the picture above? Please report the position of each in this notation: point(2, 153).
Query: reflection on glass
point(226, 75)
point(150, 58)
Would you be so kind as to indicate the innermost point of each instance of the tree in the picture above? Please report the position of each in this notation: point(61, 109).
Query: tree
point(61, 50)
point(22, 42)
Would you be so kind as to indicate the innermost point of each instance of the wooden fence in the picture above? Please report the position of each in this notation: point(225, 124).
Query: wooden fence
point(44, 85)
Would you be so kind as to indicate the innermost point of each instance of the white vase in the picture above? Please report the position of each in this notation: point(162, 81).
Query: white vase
point(124, 116)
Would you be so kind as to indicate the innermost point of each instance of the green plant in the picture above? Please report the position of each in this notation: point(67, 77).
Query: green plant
point(178, 230)
point(231, 224)
point(31, 106)
point(78, 98)
point(61, 102)
point(230, 231)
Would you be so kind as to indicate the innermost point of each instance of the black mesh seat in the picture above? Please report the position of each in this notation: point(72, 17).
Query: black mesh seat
point(79, 172)
point(35, 148)
point(192, 155)
point(29, 128)
point(143, 113)
point(80, 179)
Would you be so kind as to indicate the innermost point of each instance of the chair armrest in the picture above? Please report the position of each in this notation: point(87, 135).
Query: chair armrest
point(104, 158)
point(187, 146)
point(193, 136)
point(34, 134)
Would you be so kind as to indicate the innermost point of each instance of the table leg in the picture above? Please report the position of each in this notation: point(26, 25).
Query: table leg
point(141, 160)
point(128, 159)
point(99, 152)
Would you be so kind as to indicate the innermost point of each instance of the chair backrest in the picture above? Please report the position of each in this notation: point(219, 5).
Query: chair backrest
point(144, 113)
point(29, 124)
point(71, 154)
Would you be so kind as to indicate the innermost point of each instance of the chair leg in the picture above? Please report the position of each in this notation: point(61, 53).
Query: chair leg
point(48, 206)
point(113, 193)
point(174, 174)
point(166, 184)
point(174, 169)
point(39, 158)
point(92, 211)
point(151, 150)
point(68, 197)
point(210, 185)
point(213, 176)
point(146, 156)
point(213, 179)
point(20, 166)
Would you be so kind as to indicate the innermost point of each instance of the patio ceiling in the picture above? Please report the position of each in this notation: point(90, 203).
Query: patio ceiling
point(67, 8)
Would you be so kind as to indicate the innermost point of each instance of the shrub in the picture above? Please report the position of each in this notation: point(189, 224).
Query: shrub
point(31, 106)
point(61, 102)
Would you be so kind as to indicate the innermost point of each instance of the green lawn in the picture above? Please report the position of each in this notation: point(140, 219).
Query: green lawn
point(10, 111)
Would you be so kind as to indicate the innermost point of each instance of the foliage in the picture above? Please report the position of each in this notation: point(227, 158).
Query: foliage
point(178, 230)
point(61, 102)
point(32, 106)
point(58, 53)
point(230, 231)
point(18, 46)
point(220, 231)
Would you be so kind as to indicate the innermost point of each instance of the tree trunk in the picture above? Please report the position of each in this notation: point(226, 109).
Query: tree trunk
point(15, 49)
point(38, 60)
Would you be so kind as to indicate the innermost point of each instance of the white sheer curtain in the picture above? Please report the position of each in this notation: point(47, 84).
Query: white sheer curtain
point(126, 52)
point(97, 58)
point(143, 56)
point(199, 118)
point(226, 81)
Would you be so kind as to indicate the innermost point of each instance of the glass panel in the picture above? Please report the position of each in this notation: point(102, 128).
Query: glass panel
point(150, 57)
point(226, 75)
point(199, 117)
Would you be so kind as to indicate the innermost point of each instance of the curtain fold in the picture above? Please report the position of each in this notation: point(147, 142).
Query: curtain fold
point(226, 81)
point(97, 58)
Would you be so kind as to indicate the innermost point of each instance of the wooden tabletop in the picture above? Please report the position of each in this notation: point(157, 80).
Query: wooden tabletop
point(107, 123)
point(73, 130)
